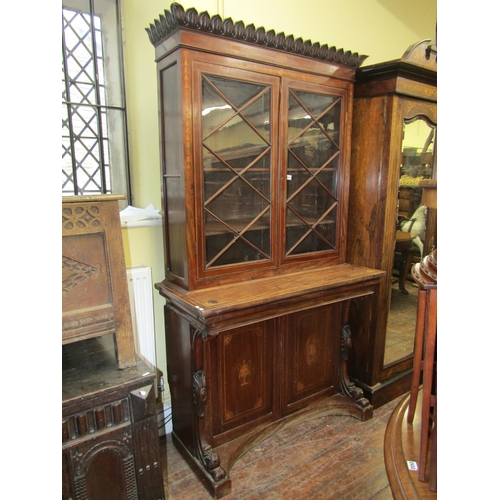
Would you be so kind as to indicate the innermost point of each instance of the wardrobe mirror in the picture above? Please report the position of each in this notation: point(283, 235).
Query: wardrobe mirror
point(413, 236)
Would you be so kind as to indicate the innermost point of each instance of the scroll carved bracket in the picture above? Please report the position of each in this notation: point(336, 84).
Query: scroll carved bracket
point(347, 388)
point(203, 449)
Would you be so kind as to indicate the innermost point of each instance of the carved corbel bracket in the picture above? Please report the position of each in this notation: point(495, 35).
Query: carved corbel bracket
point(204, 451)
point(347, 388)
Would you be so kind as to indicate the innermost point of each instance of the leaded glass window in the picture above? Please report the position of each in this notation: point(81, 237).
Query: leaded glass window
point(94, 149)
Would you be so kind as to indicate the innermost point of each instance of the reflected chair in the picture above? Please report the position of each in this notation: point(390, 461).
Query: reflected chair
point(410, 247)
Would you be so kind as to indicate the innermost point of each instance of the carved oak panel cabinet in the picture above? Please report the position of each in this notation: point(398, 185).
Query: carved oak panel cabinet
point(110, 445)
point(255, 150)
point(95, 299)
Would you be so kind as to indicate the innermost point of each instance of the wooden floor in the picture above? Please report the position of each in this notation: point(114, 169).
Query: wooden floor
point(327, 458)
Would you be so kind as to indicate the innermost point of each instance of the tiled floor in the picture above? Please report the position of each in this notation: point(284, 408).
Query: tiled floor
point(325, 458)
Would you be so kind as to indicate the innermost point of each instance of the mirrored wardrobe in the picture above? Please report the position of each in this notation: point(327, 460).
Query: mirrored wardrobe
point(389, 228)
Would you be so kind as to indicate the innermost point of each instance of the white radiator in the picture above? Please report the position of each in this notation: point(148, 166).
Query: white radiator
point(140, 287)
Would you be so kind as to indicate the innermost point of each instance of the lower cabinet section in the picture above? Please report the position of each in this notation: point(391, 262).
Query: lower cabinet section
point(273, 356)
point(110, 444)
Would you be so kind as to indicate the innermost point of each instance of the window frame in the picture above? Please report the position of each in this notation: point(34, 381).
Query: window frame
point(108, 106)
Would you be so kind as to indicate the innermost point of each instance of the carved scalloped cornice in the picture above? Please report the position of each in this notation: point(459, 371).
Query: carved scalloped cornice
point(177, 17)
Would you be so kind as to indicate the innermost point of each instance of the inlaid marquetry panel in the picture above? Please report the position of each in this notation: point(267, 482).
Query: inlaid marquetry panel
point(245, 370)
point(310, 353)
point(411, 88)
point(412, 108)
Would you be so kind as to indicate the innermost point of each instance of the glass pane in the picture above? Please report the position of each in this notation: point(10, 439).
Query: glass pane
point(176, 225)
point(312, 172)
point(236, 92)
point(258, 114)
point(234, 139)
point(230, 244)
point(236, 171)
point(304, 237)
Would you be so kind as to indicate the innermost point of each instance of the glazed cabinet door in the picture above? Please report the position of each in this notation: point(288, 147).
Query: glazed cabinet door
point(245, 376)
point(236, 149)
point(315, 157)
point(310, 355)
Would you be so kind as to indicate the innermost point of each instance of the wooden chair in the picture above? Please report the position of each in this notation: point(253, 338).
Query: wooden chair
point(425, 362)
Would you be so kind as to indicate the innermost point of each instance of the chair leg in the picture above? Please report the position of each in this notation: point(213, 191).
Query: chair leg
point(404, 269)
point(417, 355)
point(433, 459)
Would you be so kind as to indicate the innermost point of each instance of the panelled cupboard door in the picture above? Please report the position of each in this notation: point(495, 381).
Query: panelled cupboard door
point(310, 355)
point(296, 353)
point(245, 360)
point(103, 468)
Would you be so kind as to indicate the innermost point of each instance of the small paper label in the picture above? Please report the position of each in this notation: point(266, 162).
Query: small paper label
point(289, 177)
point(412, 465)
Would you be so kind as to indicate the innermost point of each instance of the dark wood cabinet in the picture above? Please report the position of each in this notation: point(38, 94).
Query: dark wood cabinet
point(390, 100)
point(255, 148)
point(110, 446)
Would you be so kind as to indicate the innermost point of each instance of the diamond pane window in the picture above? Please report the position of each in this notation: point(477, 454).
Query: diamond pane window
point(94, 148)
point(312, 172)
point(236, 169)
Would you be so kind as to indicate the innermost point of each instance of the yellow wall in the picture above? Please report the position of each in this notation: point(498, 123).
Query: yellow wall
point(381, 29)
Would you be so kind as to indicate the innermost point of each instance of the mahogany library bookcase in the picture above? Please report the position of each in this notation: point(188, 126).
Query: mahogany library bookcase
point(259, 300)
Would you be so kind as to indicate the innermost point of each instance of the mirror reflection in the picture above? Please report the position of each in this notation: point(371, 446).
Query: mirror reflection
point(413, 237)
